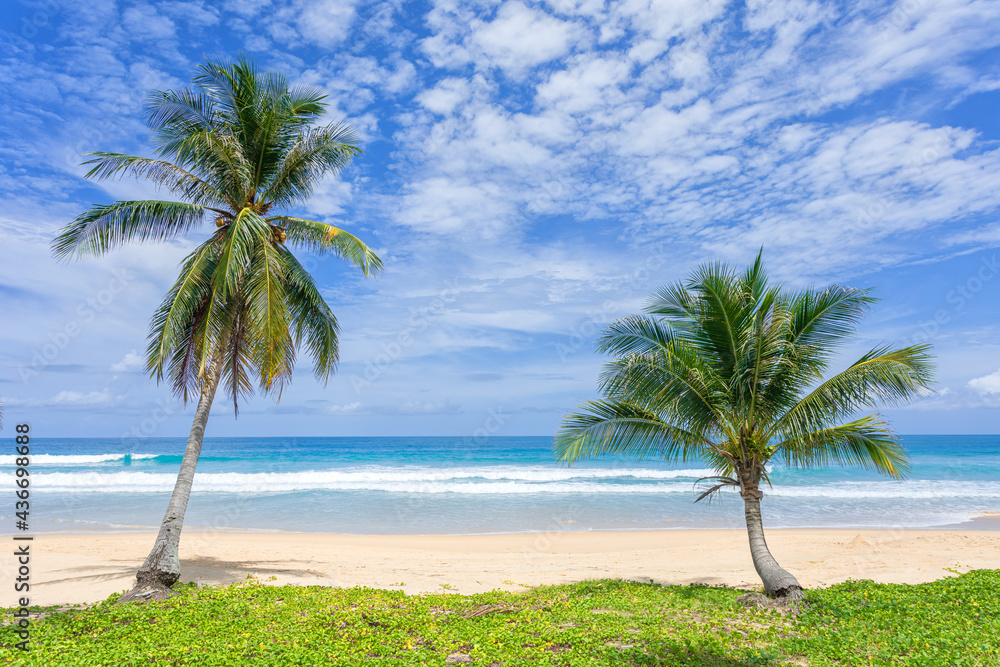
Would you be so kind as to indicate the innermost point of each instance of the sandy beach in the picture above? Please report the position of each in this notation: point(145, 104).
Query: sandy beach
point(69, 569)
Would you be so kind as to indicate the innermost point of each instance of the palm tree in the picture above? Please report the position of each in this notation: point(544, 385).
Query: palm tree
point(731, 372)
point(237, 147)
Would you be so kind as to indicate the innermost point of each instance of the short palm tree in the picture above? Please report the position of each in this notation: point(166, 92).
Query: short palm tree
point(729, 369)
point(237, 147)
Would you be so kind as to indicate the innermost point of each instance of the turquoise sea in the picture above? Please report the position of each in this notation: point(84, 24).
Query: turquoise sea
point(446, 485)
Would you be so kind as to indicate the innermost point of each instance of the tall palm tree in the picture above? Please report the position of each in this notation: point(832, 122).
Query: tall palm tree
point(729, 369)
point(237, 147)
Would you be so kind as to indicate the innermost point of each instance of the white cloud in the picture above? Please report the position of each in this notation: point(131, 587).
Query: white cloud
point(987, 384)
point(144, 22)
point(247, 8)
point(445, 95)
point(945, 400)
point(68, 399)
point(515, 39)
point(195, 13)
point(663, 20)
point(590, 82)
point(354, 408)
point(442, 205)
point(132, 361)
point(987, 235)
point(520, 37)
point(406, 408)
point(325, 22)
point(429, 408)
point(519, 320)
point(78, 399)
point(330, 197)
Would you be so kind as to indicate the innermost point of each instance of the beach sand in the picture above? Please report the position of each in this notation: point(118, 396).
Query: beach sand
point(70, 569)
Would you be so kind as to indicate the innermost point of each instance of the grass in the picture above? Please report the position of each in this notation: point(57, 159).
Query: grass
point(954, 621)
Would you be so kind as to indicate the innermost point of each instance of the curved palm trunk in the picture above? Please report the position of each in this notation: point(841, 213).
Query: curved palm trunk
point(778, 582)
point(163, 565)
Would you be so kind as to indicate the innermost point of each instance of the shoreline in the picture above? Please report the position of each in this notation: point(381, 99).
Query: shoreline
point(987, 522)
point(84, 568)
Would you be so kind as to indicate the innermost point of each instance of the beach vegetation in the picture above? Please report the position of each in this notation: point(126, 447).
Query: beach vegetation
point(952, 621)
point(239, 149)
point(730, 369)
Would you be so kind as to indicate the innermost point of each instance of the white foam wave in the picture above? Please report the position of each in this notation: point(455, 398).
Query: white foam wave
point(486, 482)
point(76, 459)
point(497, 473)
point(916, 489)
point(414, 480)
point(291, 482)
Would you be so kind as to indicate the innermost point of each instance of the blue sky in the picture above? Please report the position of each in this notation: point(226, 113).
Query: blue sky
point(531, 172)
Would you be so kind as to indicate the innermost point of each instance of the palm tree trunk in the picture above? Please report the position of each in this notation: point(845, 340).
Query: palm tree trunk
point(163, 564)
point(778, 582)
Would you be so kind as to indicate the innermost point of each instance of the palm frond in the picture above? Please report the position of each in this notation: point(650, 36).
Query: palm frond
point(238, 357)
point(721, 482)
point(882, 376)
point(817, 321)
point(222, 82)
point(320, 152)
point(161, 172)
point(102, 228)
point(615, 427)
point(867, 442)
point(177, 327)
point(257, 109)
point(321, 238)
point(173, 114)
point(217, 157)
point(314, 322)
point(239, 243)
point(674, 302)
point(269, 317)
point(678, 385)
point(306, 103)
point(722, 317)
point(759, 347)
point(753, 284)
point(826, 318)
point(635, 334)
point(242, 237)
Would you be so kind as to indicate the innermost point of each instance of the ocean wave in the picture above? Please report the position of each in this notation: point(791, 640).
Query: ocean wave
point(422, 480)
point(497, 473)
point(480, 482)
point(78, 459)
point(296, 482)
point(59, 460)
point(420, 474)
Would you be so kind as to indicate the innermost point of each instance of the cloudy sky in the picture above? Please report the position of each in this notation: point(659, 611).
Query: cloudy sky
point(531, 172)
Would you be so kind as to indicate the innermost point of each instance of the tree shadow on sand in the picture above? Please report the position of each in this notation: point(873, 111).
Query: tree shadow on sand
point(221, 572)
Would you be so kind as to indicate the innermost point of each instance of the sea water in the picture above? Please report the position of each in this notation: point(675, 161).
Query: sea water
point(445, 485)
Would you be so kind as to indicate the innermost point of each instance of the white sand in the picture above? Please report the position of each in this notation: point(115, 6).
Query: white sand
point(69, 569)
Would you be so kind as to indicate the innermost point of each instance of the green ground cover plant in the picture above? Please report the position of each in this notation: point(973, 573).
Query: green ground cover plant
point(953, 621)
